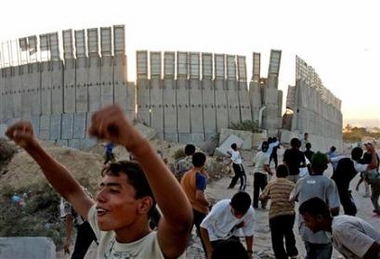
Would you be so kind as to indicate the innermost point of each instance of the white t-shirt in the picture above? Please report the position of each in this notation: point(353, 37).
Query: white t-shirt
point(109, 248)
point(261, 159)
point(221, 223)
point(352, 236)
point(236, 157)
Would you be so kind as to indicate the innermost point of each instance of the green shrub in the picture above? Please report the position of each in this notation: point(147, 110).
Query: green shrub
point(247, 125)
point(39, 216)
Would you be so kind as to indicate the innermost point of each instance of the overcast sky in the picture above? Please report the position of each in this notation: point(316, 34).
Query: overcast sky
point(340, 39)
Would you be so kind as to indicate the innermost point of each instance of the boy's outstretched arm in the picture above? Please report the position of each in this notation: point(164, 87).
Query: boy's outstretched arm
point(111, 124)
point(58, 176)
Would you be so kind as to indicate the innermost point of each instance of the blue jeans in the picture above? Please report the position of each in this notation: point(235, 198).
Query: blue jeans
point(318, 251)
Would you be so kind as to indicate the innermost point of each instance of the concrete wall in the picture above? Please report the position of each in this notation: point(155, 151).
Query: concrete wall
point(183, 96)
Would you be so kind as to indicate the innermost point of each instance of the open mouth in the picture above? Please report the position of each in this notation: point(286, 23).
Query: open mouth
point(101, 212)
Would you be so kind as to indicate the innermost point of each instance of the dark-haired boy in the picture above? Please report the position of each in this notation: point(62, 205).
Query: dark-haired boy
point(281, 214)
point(229, 219)
point(352, 236)
point(120, 213)
point(194, 184)
point(185, 164)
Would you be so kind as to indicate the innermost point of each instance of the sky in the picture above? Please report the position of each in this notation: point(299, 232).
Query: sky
point(339, 39)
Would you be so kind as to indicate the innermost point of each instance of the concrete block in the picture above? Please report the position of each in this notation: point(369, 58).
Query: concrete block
point(222, 149)
point(245, 136)
point(27, 247)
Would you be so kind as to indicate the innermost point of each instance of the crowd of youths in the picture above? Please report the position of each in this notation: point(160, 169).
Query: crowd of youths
point(129, 192)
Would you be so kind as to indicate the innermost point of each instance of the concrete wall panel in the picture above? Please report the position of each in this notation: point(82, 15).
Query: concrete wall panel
point(94, 82)
point(170, 107)
point(143, 100)
point(81, 89)
point(8, 96)
point(209, 108)
point(107, 81)
point(196, 106)
point(183, 106)
point(44, 129)
point(69, 95)
point(233, 105)
point(57, 87)
point(17, 91)
point(55, 127)
point(123, 94)
point(45, 89)
point(79, 127)
point(67, 125)
point(157, 109)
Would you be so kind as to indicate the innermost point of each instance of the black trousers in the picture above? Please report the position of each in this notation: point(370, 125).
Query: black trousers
point(282, 227)
point(198, 218)
point(85, 236)
point(239, 174)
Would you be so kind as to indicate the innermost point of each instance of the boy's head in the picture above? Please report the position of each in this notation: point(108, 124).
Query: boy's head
point(135, 177)
point(234, 146)
point(198, 159)
point(264, 146)
point(332, 149)
point(240, 203)
point(356, 153)
point(319, 162)
point(189, 149)
point(295, 143)
point(282, 171)
point(316, 214)
point(308, 146)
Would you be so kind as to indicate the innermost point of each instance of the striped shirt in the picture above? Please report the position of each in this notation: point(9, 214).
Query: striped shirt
point(279, 191)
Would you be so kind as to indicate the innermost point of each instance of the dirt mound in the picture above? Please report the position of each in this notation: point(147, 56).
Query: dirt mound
point(23, 171)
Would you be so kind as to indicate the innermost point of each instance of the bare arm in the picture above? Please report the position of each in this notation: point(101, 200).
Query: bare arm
point(206, 241)
point(249, 243)
point(200, 196)
point(69, 224)
point(57, 175)
point(111, 124)
point(374, 162)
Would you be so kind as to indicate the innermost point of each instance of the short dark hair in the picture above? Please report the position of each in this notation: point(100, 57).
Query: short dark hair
point(295, 142)
point(135, 177)
point(314, 207)
point(282, 171)
point(189, 149)
point(264, 146)
point(319, 161)
point(356, 153)
point(332, 148)
point(198, 159)
point(241, 202)
point(234, 146)
point(308, 145)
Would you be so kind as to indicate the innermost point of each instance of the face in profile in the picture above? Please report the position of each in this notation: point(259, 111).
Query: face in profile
point(313, 223)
